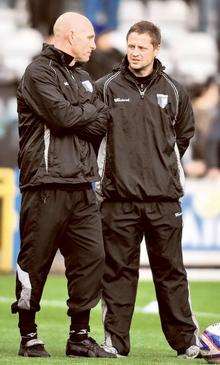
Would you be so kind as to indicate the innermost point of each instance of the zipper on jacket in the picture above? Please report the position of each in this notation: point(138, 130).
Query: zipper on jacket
point(71, 75)
point(141, 90)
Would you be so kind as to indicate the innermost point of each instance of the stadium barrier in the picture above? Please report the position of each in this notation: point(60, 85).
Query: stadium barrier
point(201, 229)
point(7, 218)
point(201, 224)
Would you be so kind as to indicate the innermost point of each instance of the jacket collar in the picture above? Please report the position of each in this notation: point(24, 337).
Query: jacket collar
point(57, 55)
point(158, 67)
point(157, 70)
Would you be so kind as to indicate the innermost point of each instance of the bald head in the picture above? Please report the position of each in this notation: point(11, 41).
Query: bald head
point(70, 21)
point(74, 34)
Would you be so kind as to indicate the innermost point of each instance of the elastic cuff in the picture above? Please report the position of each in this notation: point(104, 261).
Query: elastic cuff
point(80, 320)
point(26, 322)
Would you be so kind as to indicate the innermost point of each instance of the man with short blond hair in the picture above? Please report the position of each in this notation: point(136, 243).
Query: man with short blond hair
point(60, 123)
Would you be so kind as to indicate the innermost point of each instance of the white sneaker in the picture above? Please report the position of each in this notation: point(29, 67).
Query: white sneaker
point(111, 350)
point(191, 353)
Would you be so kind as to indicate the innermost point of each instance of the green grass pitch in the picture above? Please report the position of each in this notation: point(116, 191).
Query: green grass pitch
point(148, 343)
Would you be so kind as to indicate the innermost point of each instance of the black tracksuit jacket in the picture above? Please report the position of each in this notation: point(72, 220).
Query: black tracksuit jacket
point(160, 118)
point(60, 122)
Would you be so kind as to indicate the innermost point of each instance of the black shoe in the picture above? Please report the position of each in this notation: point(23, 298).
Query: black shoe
point(33, 348)
point(86, 348)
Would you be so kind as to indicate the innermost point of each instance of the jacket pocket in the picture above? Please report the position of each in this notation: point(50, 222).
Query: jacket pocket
point(83, 149)
point(169, 132)
point(171, 211)
point(65, 157)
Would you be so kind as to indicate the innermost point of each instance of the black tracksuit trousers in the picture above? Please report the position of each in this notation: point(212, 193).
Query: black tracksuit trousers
point(53, 218)
point(124, 224)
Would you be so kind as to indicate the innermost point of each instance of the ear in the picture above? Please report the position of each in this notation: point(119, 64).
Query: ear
point(156, 50)
point(71, 36)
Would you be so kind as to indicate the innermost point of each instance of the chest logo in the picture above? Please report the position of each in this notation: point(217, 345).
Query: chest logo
point(87, 85)
point(162, 100)
point(121, 100)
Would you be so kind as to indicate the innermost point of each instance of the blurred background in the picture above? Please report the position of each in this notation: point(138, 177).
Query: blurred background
point(191, 53)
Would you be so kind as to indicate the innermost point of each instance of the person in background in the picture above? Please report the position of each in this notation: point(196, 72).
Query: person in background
point(104, 58)
point(60, 121)
point(204, 150)
point(213, 148)
point(102, 13)
point(43, 17)
point(142, 183)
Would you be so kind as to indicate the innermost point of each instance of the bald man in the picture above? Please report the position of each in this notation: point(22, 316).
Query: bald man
point(60, 124)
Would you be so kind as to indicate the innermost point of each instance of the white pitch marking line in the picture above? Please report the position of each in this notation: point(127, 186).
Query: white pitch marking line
point(151, 308)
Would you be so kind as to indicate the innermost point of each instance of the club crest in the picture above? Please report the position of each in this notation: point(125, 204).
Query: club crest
point(162, 100)
point(87, 85)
